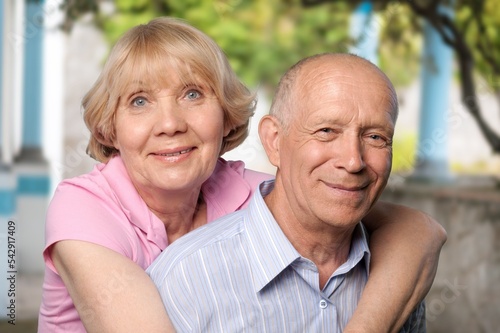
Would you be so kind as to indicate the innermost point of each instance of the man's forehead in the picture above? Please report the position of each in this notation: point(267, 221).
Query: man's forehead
point(332, 72)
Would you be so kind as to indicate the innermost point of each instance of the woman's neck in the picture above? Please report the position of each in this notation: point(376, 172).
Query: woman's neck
point(179, 212)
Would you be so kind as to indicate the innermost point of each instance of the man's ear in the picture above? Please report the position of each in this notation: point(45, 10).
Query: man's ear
point(269, 133)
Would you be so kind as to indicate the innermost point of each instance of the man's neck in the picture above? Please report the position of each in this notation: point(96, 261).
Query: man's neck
point(328, 247)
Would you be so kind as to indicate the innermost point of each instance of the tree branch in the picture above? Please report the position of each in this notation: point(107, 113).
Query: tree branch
point(311, 3)
point(485, 46)
point(456, 40)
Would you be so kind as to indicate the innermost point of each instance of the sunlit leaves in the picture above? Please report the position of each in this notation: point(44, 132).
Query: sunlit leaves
point(264, 37)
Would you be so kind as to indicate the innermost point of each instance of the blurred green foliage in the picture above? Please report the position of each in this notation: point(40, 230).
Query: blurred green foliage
point(262, 38)
point(405, 153)
point(404, 150)
point(480, 167)
point(400, 47)
point(480, 21)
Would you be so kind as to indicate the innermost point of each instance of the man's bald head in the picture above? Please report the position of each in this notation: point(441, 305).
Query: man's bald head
point(311, 72)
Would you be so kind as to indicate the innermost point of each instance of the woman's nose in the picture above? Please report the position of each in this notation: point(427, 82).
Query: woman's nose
point(171, 117)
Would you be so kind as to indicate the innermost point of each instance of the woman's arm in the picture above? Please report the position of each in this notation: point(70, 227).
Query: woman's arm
point(110, 292)
point(405, 246)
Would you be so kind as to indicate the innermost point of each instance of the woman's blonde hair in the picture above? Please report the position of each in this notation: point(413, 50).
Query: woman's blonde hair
point(143, 52)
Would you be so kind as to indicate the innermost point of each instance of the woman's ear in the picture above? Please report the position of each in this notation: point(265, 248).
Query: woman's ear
point(108, 142)
point(227, 130)
point(269, 133)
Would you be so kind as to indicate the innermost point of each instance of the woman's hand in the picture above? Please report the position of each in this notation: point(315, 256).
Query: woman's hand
point(405, 245)
point(110, 292)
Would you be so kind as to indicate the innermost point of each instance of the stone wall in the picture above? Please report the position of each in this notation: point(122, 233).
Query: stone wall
point(465, 296)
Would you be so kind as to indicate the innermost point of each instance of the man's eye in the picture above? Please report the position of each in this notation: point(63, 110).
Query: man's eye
point(139, 101)
point(193, 94)
point(378, 140)
point(326, 134)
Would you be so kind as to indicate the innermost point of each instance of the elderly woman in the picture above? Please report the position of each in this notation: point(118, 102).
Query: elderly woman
point(165, 108)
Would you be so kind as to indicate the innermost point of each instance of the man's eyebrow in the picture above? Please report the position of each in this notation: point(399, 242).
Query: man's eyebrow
point(322, 120)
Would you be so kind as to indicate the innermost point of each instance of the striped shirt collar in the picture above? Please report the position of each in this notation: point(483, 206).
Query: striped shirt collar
point(273, 252)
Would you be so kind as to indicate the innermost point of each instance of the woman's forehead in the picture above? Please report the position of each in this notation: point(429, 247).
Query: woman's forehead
point(154, 75)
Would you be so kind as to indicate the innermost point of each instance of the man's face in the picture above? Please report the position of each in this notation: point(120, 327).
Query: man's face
point(335, 158)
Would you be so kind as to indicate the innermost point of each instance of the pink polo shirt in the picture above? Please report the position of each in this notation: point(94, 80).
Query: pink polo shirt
point(103, 207)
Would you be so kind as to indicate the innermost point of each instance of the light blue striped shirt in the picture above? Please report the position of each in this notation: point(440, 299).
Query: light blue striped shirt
point(240, 273)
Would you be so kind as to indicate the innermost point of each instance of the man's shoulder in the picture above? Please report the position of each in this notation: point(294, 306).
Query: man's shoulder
point(196, 242)
point(222, 229)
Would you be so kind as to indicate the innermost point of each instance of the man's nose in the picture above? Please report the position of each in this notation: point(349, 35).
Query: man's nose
point(349, 153)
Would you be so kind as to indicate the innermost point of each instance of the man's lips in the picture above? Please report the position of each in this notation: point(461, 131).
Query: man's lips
point(344, 187)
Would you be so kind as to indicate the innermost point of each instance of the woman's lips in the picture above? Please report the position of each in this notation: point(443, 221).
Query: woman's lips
point(174, 155)
point(177, 153)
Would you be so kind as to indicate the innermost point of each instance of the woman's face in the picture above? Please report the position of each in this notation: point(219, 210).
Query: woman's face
point(169, 136)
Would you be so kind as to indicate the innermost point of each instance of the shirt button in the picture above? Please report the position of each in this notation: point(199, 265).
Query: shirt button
point(323, 304)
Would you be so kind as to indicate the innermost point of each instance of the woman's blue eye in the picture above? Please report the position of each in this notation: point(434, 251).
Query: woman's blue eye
point(139, 101)
point(193, 94)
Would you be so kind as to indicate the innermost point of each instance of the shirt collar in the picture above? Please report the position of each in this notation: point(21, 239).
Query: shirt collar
point(226, 190)
point(132, 203)
point(359, 251)
point(273, 252)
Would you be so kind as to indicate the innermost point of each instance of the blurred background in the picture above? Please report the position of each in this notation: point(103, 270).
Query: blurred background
point(442, 56)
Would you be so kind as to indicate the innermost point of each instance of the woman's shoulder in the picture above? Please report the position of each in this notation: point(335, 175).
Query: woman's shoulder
point(99, 182)
point(89, 185)
point(230, 187)
point(253, 177)
point(88, 200)
point(89, 208)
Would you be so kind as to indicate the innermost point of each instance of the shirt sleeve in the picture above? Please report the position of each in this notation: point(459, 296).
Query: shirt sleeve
point(416, 322)
point(86, 213)
point(177, 297)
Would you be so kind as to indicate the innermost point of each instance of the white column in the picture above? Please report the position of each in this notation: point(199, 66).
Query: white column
point(11, 19)
point(12, 73)
point(53, 90)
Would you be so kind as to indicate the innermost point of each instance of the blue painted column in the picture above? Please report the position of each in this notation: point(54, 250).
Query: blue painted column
point(7, 217)
point(1, 69)
point(364, 30)
point(30, 166)
point(31, 149)
point(432, 149)
point(7, 192)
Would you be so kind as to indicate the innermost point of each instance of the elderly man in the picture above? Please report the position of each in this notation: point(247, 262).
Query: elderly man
point(297, 259)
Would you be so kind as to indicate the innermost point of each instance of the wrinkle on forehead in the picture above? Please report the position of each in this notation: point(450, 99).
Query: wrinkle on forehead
point(339, 75)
